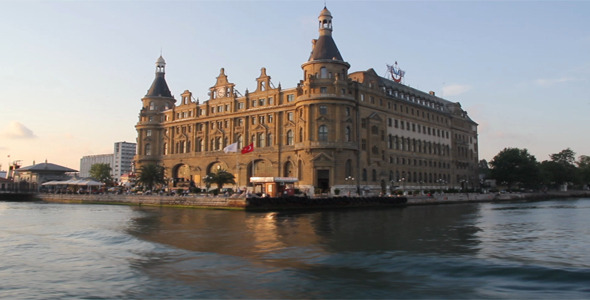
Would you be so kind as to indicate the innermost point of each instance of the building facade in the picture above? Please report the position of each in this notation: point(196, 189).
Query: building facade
point(86, 163)
point(122, 159)
point(356, 132)
point(31, 177)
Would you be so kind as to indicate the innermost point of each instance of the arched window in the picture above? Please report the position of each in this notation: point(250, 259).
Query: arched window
point(269, 140)
point(199, 145)
point(364, 175)
point(182, 147)
point(301, 135)
point(289, 140)
point(323, 72)
point(347, 134)
point(240, 142)
point(218, 143)
point(374, 175)
point(188, 146)
point(323, 133)
point(262, 139)
point(165, 148)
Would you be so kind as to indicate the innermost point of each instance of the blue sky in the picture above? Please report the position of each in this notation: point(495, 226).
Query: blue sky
point(74, 72)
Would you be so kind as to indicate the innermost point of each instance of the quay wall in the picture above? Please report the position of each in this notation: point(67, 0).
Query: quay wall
point(148, 200)
point(223, 202)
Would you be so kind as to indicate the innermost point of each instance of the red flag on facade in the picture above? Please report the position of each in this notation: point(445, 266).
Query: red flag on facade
point(248, 148)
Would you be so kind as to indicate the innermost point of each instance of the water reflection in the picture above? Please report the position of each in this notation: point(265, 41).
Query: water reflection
point(426, 229)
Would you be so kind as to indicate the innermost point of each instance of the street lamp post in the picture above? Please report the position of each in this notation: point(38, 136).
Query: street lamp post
point(351, 180)
point(402, 180)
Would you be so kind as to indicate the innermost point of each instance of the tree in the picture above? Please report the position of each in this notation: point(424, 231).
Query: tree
point(514, 166)
point(220, 178)
point(565, 157)
point(101, 172)
point(561, 169)
point(151, 175)
point(584, 168)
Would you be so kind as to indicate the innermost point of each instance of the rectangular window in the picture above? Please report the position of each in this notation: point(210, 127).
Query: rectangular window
point(270, 101)
point(323, 109)
point(290, 116)
point(323, 90)
point(290, 98)
point(254, 102)
point(261, 101)
point(364, 144)
point(362, 97)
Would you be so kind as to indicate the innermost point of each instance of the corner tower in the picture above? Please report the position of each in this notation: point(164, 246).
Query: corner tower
point(326, 111)
point(325, 64)
point(150, 132)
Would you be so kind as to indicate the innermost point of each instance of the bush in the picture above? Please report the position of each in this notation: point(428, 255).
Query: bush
point(336, 192)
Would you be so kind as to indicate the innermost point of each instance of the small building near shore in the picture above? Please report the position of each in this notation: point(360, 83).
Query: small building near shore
point(274, 186)
point(6, 184)
point(30, 178)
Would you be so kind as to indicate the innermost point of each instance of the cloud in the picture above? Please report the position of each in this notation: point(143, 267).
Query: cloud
point(455, 89)
point(552, 81)
point(16, 130)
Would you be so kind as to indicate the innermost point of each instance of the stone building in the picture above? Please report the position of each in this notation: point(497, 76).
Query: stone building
point(356, 132)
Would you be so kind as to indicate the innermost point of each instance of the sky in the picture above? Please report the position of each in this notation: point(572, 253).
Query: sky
point(73, 72)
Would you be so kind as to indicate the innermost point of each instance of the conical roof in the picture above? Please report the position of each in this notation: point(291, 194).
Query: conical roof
point(159, 87)
point(325, 48)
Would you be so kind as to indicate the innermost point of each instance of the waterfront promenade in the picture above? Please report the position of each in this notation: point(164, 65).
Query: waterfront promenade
point(242, 203)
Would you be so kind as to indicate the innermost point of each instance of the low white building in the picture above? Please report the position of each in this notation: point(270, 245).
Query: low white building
point(86, 163)
point(31, 177)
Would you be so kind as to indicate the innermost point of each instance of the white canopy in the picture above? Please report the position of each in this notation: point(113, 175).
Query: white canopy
point(81, 182)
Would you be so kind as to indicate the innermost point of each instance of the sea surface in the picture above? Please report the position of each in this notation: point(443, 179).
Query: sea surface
point(511, 250)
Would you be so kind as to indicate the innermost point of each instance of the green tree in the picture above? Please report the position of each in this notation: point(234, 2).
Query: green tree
point(220, 178)
point(584, 168)
point(566, 157)
point(151, 175)
point(101, 172)
point(561, 169)
point(515, 167)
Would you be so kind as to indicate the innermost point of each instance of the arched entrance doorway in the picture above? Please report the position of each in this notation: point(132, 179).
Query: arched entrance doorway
point(323, 180)
point(181, 176)
point(259, 168)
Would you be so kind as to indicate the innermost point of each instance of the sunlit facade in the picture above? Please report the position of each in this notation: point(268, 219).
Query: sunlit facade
point(356, 132)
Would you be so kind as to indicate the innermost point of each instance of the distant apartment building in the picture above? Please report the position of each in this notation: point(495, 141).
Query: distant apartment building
point(120, 160)
point(86, 163)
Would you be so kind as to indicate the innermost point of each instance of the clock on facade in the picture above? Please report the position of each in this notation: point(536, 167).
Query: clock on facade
point(220, 92)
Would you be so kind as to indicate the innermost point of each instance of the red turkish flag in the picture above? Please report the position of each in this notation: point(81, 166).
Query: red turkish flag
point(248, 148)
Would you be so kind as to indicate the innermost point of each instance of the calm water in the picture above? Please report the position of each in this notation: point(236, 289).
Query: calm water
point(509, 250)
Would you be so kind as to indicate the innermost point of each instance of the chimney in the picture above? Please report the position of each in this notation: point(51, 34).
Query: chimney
point(432, 93)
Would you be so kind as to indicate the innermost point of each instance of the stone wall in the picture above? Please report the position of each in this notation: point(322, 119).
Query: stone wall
point(150, 200)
